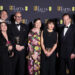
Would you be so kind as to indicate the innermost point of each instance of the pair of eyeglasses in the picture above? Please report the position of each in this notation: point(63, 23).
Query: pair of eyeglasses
point(18, 16)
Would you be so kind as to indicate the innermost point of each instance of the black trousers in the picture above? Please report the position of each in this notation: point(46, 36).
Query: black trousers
point(63, 63)
point(19, 63)
point(48, 65)
point(5, 65)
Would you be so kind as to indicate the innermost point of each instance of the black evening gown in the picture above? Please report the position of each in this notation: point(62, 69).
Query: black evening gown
point(48, 63)
point(5, 64)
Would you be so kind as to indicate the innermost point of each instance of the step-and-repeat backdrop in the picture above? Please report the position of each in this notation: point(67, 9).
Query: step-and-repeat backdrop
point(43, 9)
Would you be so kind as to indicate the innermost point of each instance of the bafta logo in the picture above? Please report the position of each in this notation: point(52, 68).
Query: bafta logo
point(11, 7)
point(58, 8)
point(46, 20)
point(35, 8)
point(17, 40)
point(50, 8)
point(73, 8)
point(23, 21)
point(61, 21)
point(1, 7)
point(26, 8)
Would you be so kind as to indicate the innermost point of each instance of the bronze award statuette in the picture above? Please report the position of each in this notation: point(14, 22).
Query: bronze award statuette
point(17, 40)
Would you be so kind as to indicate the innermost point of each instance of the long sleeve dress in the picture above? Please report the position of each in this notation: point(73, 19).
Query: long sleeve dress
point(34, 48)
point(5, 64)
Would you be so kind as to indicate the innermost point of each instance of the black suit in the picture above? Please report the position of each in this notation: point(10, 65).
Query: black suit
point(66, 48)
point(5, 60)
point(19, 62)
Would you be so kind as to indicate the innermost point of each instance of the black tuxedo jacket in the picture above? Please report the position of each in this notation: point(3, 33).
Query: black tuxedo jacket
point(22, 34)
point(67, 42)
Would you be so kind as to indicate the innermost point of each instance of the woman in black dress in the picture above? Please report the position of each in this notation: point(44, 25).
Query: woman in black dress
point(6, 50)
point(49, 44)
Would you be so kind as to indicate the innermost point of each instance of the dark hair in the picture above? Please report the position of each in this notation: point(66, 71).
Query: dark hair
point(3, 10)
point(50, 21)
point(36, 19)
point(66, 14)
point(1, 23)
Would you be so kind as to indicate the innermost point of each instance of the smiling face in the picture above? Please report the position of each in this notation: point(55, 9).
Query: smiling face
point(3, 27)
point(67, 20)
point(18, 17)
point(4, 15)
point(38, 24)
point(51, 26)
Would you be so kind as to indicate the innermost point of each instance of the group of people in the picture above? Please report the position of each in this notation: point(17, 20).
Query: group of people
point(46, 51)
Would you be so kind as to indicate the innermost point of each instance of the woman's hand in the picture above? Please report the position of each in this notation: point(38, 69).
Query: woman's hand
point(35, 56)
point(45, 51)
point(49, 54)
point(12, 54)
point(10, 47)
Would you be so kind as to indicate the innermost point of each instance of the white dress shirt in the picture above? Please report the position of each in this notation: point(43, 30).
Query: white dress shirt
point(66, 28)
point(1, 20)
point(18, 27)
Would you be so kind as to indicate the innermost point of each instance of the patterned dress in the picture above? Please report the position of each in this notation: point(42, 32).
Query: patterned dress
point(34, 48)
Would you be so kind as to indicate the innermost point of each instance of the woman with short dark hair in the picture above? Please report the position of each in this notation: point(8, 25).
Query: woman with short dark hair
point(49, 44)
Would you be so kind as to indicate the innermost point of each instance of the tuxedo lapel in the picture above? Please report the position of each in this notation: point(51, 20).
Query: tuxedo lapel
point(15, 29)
point(62, 33)
point(22, 29)
point(67, 33)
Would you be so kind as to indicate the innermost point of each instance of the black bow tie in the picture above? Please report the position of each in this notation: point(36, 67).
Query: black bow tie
point(66, 27)
point(17, 24)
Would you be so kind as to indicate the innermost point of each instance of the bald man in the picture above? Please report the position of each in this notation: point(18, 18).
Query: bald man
point(19, 32)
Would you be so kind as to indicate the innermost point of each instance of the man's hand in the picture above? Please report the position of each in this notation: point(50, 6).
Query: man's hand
point(22, 47)
point(19, 48)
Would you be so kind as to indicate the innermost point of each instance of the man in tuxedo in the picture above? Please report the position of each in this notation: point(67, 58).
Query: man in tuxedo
point(19, 32)
point(67, 46)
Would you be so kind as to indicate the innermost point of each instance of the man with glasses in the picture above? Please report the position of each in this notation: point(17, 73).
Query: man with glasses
point(19, 32)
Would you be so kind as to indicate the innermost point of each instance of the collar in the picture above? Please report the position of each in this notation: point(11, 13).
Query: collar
point(1, 20)
point(16, 22)
point(68, 25)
